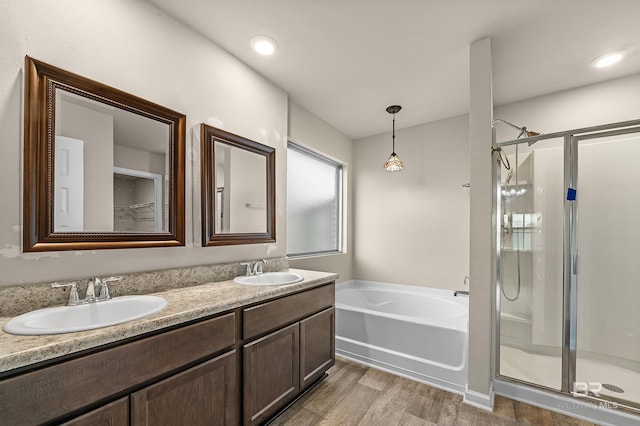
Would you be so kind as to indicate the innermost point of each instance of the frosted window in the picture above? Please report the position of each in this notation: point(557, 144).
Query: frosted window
point(313, 203)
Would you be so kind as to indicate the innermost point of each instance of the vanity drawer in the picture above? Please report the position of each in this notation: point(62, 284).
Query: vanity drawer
point(280, 312)
point(51, 392)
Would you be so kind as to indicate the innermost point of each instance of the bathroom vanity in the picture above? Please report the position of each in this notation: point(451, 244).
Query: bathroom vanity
point(220, 352)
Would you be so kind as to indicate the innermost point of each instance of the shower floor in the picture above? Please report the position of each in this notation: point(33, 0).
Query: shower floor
point(547, 371)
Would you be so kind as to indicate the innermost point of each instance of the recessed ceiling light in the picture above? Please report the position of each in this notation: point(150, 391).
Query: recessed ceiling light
point(608, 59)
point(263, 45)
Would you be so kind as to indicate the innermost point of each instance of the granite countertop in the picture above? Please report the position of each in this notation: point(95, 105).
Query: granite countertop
point(185, 304)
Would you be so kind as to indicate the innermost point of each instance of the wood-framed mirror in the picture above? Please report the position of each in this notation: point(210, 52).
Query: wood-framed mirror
point(103, 169)
point(238, 189)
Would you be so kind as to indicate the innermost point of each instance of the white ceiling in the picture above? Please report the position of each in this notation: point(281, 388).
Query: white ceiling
point(347, 60)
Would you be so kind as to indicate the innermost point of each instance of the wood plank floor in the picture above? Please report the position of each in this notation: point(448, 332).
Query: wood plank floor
point(354, 394)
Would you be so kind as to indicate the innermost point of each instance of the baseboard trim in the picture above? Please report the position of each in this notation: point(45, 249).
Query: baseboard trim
point(479, 400)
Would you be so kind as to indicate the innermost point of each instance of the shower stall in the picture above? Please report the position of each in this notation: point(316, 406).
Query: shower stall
point(568, 265)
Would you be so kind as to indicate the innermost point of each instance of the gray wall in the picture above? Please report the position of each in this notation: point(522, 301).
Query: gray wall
point(309, 131)
point(412, 226)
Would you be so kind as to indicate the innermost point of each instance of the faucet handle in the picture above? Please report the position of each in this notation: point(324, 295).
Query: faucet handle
point(104, 289)
point(247, 270)
point(74, 298)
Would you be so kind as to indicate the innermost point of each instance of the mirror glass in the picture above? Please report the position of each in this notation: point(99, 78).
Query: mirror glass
point(238, 189)
point(102, 168)
point(241, 189)
point(103, 150)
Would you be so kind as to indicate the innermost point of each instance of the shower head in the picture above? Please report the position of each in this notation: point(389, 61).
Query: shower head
point(524, 132)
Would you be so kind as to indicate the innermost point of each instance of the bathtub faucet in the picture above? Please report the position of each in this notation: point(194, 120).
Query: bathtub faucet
point(463, 292)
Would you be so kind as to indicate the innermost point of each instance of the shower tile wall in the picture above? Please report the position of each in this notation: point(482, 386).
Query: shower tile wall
point(128, 192)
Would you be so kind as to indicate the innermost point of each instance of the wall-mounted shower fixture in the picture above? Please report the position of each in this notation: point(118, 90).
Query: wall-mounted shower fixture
point(502, 158)
point(509, 176)
point(523, 130)
point(508, 195)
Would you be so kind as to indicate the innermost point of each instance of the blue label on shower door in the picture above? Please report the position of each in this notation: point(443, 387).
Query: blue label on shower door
point(571, 194)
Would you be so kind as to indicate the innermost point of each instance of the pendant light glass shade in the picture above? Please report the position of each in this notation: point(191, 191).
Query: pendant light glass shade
point(394, 163)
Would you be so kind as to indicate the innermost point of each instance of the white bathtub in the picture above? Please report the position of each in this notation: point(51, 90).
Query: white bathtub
point(416, 332)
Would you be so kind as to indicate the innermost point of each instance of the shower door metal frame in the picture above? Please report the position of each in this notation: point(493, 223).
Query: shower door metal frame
point(570, 246)
point(569, 266)
point(571, 256)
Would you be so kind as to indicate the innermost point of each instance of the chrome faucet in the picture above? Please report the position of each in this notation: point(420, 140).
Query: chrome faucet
point(90, 294)
point(256, 269)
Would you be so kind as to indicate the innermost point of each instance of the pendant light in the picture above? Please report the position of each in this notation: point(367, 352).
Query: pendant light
point(394, 163)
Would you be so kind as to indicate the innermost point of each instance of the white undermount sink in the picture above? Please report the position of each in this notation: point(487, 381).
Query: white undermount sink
point(67, 319)
point(270, 278)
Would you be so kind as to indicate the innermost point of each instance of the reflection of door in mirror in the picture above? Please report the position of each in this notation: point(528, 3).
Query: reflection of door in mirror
point(112, 137)
point(242, 174)
point(137, 199)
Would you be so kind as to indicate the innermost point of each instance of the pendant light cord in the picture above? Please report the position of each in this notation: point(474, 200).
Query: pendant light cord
point(393, 136)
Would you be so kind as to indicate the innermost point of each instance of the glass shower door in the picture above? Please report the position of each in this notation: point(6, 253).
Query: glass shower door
point(607, 355)
point(531, 264)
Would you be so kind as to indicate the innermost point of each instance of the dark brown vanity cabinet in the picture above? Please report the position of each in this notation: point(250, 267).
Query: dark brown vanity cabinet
point(317, 346)
point(271, 373)
point(185, 373)
point(281, 364)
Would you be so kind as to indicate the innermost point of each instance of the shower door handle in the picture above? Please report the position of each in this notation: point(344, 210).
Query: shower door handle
point(574, 264)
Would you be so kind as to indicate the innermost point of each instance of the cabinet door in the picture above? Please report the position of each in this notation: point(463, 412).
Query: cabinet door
point(202, 395)
point(271, 373)
point(113, 414)
point(317, 346)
